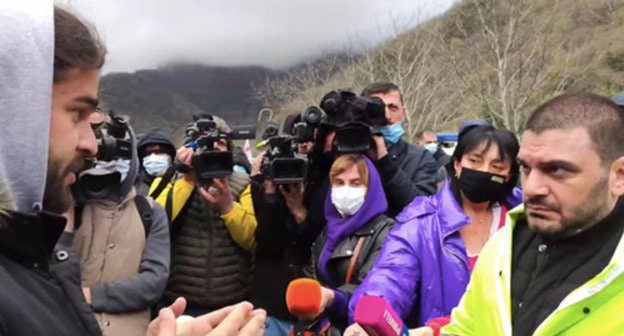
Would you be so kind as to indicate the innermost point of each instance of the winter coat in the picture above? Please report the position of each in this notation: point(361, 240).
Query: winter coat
point(123, 292)
point(594, 308)
point(212, 253)
point(40, 289)
point(423, 269)
point(373, 235)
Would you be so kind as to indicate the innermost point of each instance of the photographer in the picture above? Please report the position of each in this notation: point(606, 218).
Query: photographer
point(213, 222)
point(406, 170)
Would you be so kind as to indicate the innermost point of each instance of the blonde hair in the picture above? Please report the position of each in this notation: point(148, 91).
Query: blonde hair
point(344, 162)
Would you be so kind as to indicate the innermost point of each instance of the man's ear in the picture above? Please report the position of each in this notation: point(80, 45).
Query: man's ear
point(617, 176)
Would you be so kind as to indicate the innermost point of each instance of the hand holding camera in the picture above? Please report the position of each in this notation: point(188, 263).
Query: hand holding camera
point(293, 195)
point(219, 195)
point(379, 150)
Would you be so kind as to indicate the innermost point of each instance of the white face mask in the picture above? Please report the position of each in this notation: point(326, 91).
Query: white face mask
point(156, 164)
point(348, 200)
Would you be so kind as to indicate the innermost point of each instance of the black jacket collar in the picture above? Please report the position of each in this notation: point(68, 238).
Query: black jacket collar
point(30, 238)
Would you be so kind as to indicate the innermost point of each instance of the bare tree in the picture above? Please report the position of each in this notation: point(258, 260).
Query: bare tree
point(409, 62)
point(501, 57)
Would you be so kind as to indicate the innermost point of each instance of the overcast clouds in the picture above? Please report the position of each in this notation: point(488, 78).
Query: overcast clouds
point(142, 34)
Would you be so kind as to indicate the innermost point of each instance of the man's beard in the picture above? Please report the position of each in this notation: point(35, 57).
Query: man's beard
point(57, 197)
point(591, 211)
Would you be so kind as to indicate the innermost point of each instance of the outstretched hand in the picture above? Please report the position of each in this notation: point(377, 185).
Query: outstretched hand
point(239, 319)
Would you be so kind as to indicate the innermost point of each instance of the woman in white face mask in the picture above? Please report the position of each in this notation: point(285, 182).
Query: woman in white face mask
point(356, 227)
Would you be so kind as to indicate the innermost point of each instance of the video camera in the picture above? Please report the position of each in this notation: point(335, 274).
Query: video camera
point(115, 141)
point(281, 164)
point(114, 144)
point(311, 118)
point(208, 161)
point(354, 119)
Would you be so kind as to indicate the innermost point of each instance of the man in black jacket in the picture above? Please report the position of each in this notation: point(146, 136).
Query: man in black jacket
point(406, 170)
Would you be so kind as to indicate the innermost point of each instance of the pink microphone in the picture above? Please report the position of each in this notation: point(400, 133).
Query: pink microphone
point(378, 318)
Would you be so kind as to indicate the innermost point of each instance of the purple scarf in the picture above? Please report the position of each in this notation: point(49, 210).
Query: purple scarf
point(339, 228)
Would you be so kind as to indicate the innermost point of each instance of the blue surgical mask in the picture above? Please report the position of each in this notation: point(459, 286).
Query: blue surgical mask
point(156, 164)
point(120, 165)
point(392, 133)
point(239, 169)
point(431, 147)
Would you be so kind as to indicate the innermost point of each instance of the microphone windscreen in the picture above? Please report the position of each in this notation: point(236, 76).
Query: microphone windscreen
point(303, 297)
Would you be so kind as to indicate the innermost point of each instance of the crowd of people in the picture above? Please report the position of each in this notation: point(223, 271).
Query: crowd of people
point(108, 232)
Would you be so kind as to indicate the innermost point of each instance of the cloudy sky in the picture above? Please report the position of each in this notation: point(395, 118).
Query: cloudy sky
point(143, 34)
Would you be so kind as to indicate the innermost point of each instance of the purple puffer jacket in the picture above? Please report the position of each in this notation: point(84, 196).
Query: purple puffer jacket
point(423, 269)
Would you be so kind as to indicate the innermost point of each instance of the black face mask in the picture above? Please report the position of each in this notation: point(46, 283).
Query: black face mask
point(480, 186)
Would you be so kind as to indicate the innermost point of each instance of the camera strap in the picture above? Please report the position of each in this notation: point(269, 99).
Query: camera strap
point(166, 178)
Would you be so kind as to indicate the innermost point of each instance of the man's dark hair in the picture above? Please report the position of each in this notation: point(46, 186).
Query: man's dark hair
point(76, 46)
point(603, 120)
point(421, 133)
point(381, 88)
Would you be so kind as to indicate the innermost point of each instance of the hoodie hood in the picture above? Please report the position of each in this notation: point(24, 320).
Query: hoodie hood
point(26, 66)
point(156, 136)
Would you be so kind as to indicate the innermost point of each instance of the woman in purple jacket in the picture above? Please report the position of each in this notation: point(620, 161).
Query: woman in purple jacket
point(426, 260)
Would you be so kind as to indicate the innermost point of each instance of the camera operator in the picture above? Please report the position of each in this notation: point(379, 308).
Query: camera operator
point(213, 221)
point(277, 190)
point(294, 124)
point(115, 223)
point(406, 170)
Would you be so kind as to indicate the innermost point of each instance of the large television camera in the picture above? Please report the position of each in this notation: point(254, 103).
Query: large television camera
point(354, 119)
point(208, 161)
point(281, 164)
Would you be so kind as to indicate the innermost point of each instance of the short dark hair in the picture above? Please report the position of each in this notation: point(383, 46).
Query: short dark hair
point(508, 147)
point(421, 133)
point(603, 120)
point(76, 45)
point(381, 88)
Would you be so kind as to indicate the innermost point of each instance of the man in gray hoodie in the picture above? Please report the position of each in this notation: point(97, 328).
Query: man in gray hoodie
point(39, 71)
point(50, 61)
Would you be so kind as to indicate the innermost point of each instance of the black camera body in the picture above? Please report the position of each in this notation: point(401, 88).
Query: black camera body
point(208, 161)
point(271, 130)
point(311, 118)
point(113, 144)
point(281, 164)
point(115, 141)
point(354, 119)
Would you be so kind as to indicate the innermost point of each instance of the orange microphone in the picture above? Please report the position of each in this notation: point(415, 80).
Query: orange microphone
point(303, 299)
